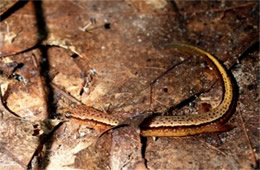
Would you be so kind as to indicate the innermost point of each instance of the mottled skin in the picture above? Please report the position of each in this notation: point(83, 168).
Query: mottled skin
point(179, 125)
point(201, 118)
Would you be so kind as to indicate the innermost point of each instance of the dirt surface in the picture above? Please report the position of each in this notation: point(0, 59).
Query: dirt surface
point(116, 56)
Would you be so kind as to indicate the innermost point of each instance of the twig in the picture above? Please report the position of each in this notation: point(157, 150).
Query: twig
point(213, 147)
point(204, 11)
point(3, 107)
point(34, 60)
point(161, 75)
point(65, 94)
point(168, 70)
point(248, 140)
point(224, 9)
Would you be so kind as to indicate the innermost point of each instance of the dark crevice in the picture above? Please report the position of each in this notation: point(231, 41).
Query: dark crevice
point(143, 149)
point(182, 103)
point(107, 26)
point(44, 66)
point(182, 23)
point(44, 70)
point(45, 140)
point(254, 46)
point(41, 23)
point(43, 160)
point(74, 55)
point(12, 10)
